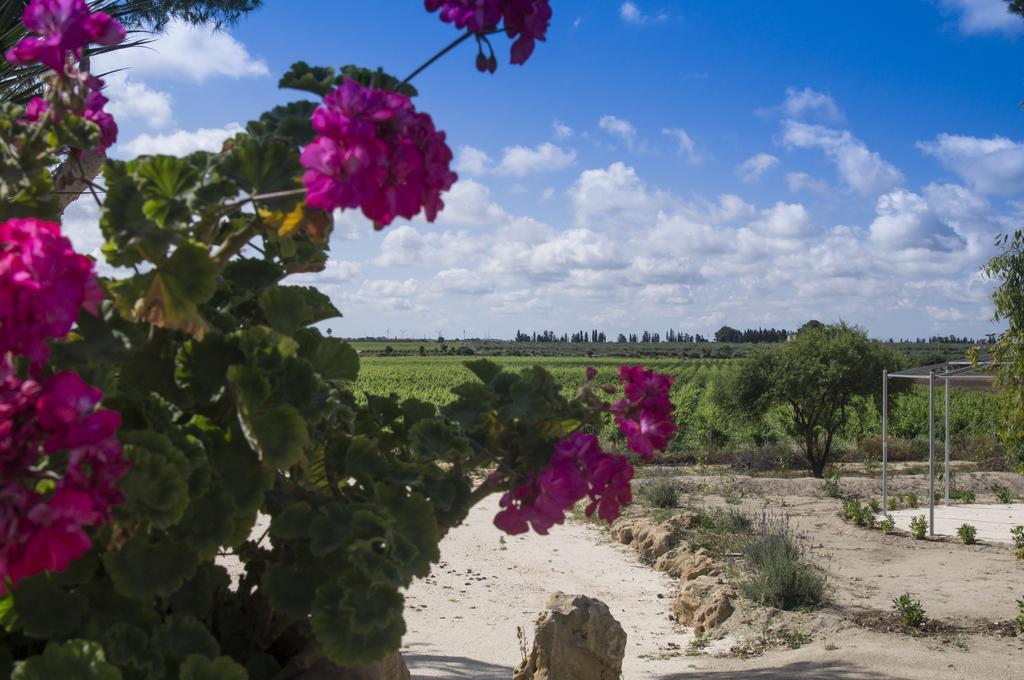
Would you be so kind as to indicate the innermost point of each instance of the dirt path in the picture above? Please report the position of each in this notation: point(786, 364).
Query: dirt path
point(462, 619)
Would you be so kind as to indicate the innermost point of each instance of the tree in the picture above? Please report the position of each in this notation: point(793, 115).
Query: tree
point(818, 379)
point(1008, 268)
point(728, 334)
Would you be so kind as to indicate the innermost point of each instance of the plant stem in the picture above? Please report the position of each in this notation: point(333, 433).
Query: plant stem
point(458, 41)
point(234, 243)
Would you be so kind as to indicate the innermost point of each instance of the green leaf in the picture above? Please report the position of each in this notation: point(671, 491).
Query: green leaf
point(146, 567)
point(131, 236)
point(436, 439)
point(252, 274)
point(222, 668)
point(77, 659)
point(200, 368)
point(197, 596)
point(156, 486)
point(262, 166)
point(485, 369)
point(277, 432)
point(167, 180)
point(316, 79)
point(262, 666)
point(289, 590)
point(330, 529)
point(129, 648)
point(240, 471)
point(357, 623)
point(331, 358)
point(415, 517)
point(209, 523)
point(289, 308)
point(46, 611)
point(291, 122)
point(181, 636)
point(292, 523)
point(377, 79)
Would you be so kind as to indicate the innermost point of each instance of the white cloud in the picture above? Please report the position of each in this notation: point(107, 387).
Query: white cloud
point(560, 130)
point(860, 168)
point(801, 181)
point(179, 142)
point(620, 128)
point(785, 220)
point(187, 52)
point(906, 220)
point(407, 246)
point(752, 169)
point(463, 282)
point(630, 13)
point(519, 161)
point(469, 203)
point(992, 166)
point(686, 146)
point(612, 195)
point(472, 161)
point(806, 102)
point(984, 16)
point(130, 98)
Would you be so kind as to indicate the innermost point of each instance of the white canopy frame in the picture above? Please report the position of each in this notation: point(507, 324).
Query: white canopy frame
point(962, 374)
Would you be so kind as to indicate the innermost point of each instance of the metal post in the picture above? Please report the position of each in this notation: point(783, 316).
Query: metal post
point(885, 440)
point(947, 473)
point(931, 453)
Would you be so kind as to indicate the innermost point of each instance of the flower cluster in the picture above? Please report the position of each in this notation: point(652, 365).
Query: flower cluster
point(525, 20)
point(577, 469)
point(644, 415)
point(42, 530)
point(63, 28)
point(43, 283)
point(376, 152)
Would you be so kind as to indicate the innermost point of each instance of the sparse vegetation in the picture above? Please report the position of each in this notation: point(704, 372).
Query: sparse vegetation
point(968, 534)
point(887, 525)
point(1018, 621)
point(1017, 533)
point(919, 527)
point(909, 610)
point(911, 500)
point(1002, 494)
point(967, 496)
point(783, 577)
point(831, 485)
point(874, 506)
point(660, 493)
point(891, 503)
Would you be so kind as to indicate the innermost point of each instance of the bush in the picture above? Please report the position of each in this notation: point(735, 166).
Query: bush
point(911, 500)
point(831, 485)
point(1002, 494)
point(1018, 622)
point(892, 504)
point(874, 506)
point(782, 576)
point(852, 510)
point(909, 610)
point(661, 493)
point(968, 534)
point(967, 496)
point(1017, 533)
point(919, 527)
point(887, 525)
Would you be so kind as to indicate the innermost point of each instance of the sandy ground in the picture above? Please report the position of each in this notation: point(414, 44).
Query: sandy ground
point(993, 522)
point(463, 618)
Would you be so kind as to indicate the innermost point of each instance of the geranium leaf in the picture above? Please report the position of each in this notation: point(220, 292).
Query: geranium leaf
point(289, 308)
point(79, 659)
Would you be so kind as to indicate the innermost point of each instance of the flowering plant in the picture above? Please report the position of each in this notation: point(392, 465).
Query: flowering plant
point(189, 412)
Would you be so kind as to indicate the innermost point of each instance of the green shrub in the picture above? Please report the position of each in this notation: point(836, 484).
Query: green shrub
point(1017, 533)
point(1002, 494)
point(911, 500)
point(968, 534)
point(909, 610)
point(874, 506)
point(661, 493)
point(726, 521)
point(919, 527)
point(888, 524)
point(891, 503)
point(782, 578)
point(967, 496)
point(851, 510)
point(831, 485)
point(1018, 622)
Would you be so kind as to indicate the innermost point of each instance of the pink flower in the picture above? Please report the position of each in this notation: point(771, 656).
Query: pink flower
point(645, 415)
point(577, 469)
point(35, 110)
point(63, 27)
point(43, 283)
point(375, 152)
point(95, 114)
point(526, 20)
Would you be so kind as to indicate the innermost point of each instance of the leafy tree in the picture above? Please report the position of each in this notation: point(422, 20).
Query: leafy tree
point(1008, 268)
point(817, 379)
point(728, 334)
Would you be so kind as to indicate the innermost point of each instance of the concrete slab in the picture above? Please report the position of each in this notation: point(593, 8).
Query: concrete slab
point(993, 522)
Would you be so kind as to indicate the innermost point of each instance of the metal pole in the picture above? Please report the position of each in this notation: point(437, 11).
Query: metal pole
point(885, 440)
point(947, 473)
point(931, 453)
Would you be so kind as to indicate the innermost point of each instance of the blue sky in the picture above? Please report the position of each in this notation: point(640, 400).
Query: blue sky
point(655, 164)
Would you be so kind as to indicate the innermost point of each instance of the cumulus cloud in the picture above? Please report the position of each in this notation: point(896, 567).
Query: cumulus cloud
point(860, 168)
point(630, 13)
point(472, 161)
point(519, 161)
point(983, 16)
point(179, 142)
point(618, 127)
point(785, 220)
point(993, 166)
point(560, 130)
point(612, 195)
point(133, 99)
point(685, 145)
point(804, 103)
point(906, 220)
point(801, 181)
point(183, 51)
point(469, 203)
point(752, 169)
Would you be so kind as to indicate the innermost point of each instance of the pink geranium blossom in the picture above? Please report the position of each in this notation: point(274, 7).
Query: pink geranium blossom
point(62, 28)
point(43, 283)
point(577, 469)
point(374, 151)
point(645, 414)
point(525, 20)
